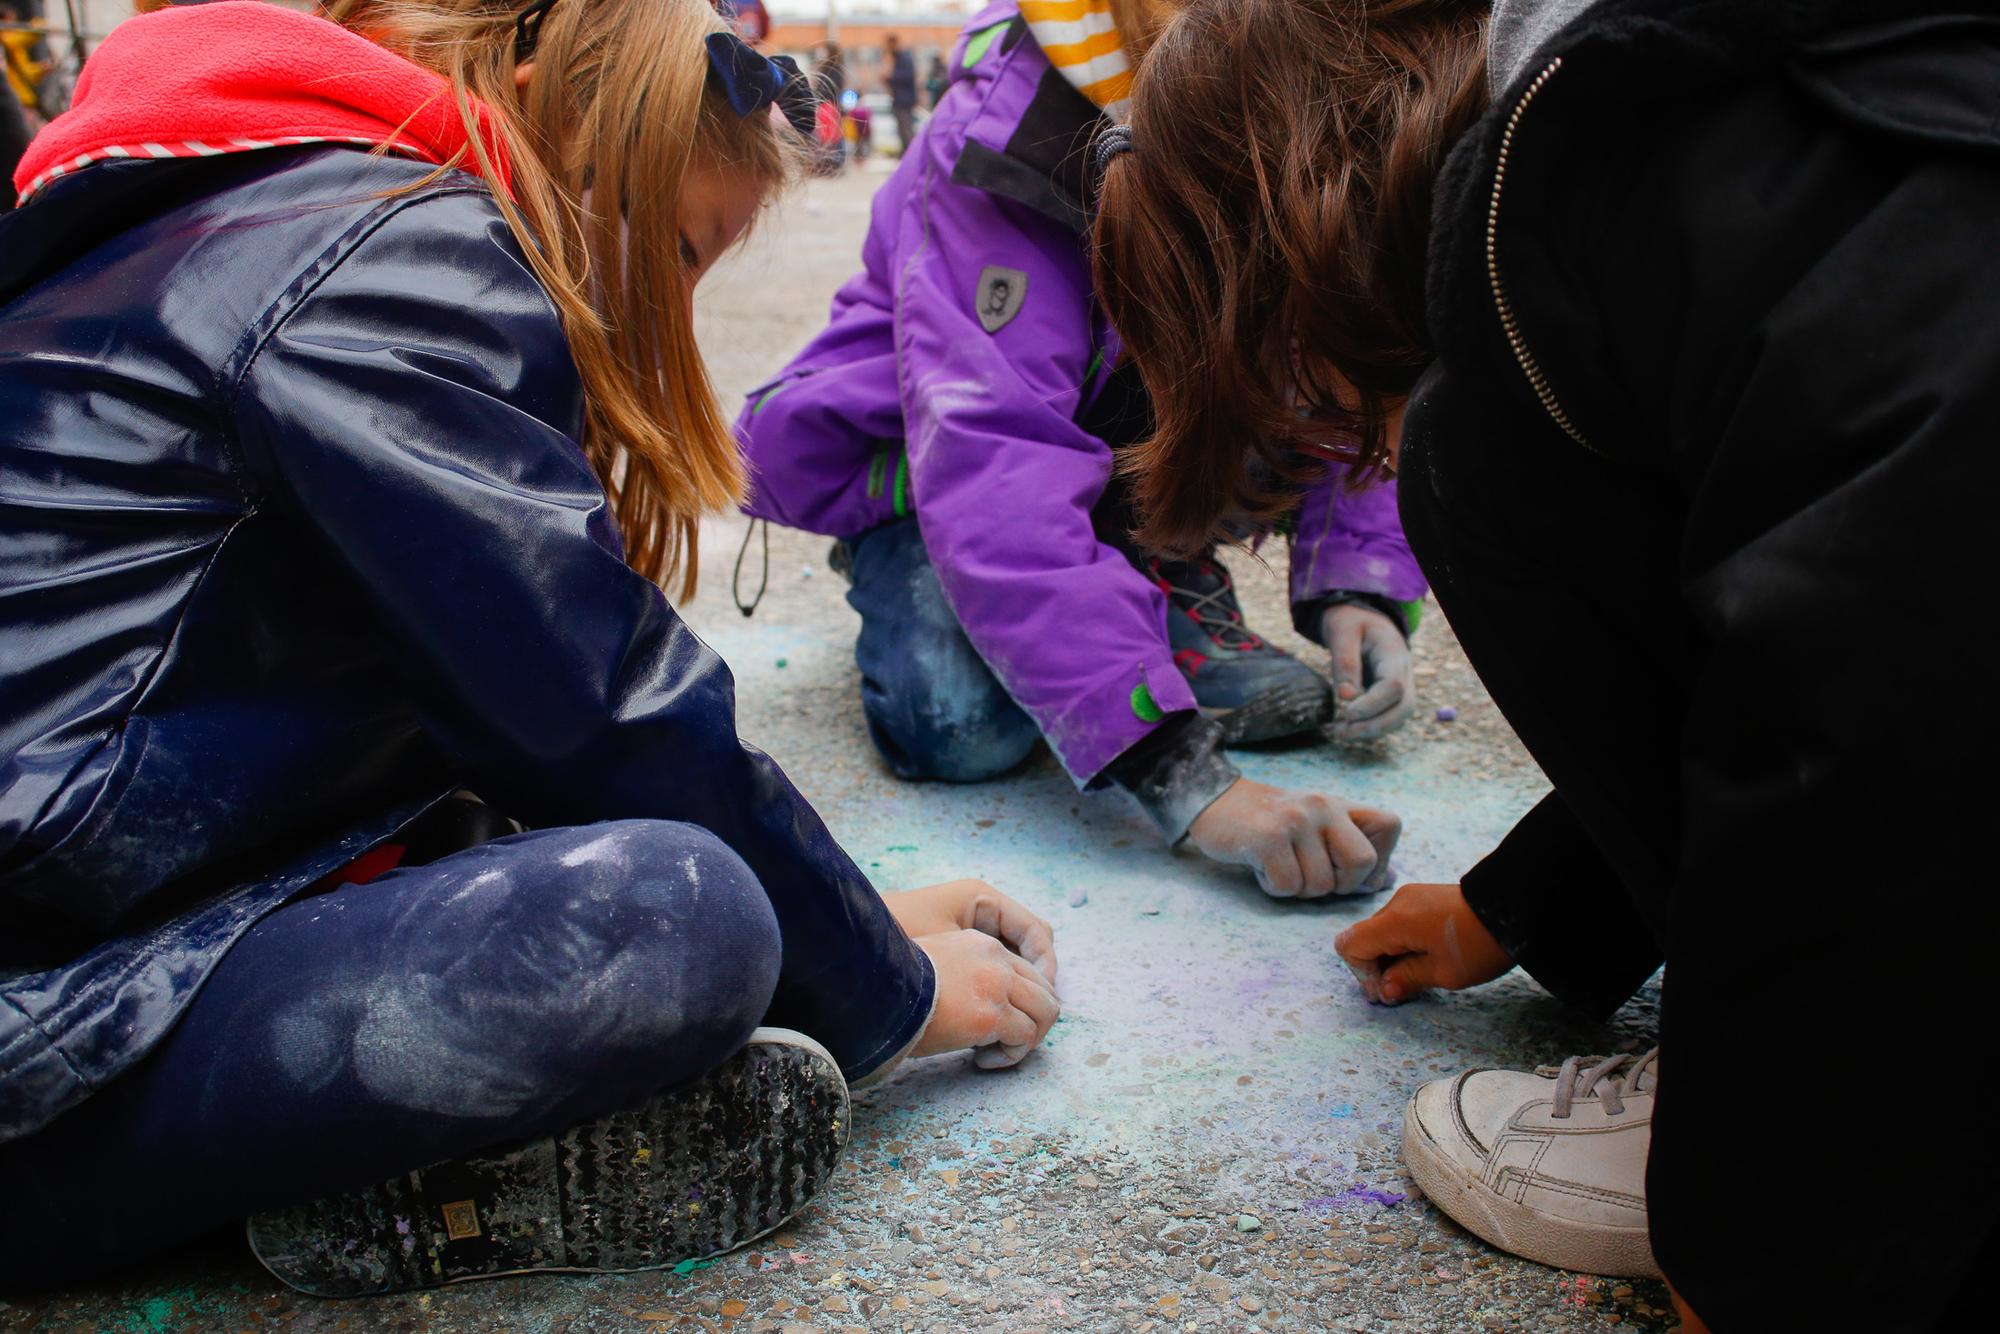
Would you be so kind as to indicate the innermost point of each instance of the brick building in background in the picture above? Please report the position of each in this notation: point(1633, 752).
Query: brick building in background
point(927, 29)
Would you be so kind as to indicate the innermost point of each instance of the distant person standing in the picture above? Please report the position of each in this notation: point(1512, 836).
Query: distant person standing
point(935, 81)
point(749, 18)
point(902, 89)
point(24, 52)
point(19, 90)
point(14, 136)
point(830, 70)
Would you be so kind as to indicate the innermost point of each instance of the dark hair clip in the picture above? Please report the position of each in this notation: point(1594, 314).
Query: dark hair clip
point(752, 81)
point(1115, 140)
point(528, 28)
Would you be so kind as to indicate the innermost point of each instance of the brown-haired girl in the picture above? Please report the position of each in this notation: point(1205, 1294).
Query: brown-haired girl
point(349, 411)
point(1674, 319)
point(955, 426)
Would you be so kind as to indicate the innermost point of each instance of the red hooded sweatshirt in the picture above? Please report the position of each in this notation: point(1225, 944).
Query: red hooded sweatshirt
point(238, 76)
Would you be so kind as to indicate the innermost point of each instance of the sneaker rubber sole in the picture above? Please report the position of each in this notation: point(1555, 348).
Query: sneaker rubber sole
point(1559, 1243)
point(1289, 711)
point(683, 1176)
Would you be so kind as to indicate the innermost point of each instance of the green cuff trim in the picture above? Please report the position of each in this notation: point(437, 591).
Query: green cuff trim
point(1413, 615)
point(902, 485)
point(977, 45)
point(1144, 707)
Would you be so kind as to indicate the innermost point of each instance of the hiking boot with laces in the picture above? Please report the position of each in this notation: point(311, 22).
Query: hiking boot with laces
point(1257, 691)
point(1550, 1166)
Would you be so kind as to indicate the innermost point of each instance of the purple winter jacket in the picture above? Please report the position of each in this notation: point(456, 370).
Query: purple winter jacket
point(906, 403)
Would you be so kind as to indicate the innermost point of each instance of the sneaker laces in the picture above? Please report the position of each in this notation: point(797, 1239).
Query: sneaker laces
point(1226, 628)
point(1576, 1080)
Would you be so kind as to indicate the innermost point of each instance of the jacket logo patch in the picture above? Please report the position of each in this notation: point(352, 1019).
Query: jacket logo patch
point(461, 1220)
point(1001, 292)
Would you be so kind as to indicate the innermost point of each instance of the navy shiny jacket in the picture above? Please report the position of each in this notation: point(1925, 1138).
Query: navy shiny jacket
point(294, 538)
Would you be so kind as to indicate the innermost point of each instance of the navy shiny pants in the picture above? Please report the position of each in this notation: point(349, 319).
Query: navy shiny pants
point(934, 708)
point(502, 992)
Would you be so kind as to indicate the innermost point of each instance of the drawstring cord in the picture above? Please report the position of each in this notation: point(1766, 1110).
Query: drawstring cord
point(736, 579)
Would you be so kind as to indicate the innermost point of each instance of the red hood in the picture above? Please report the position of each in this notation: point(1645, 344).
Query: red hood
point(242, 75)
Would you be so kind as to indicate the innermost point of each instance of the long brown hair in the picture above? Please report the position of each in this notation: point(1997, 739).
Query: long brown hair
point(618, 105)
point(1261, 248)
point(1139, 21)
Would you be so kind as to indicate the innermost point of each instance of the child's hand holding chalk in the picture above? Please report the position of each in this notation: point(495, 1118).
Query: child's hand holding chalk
point(1426, 936)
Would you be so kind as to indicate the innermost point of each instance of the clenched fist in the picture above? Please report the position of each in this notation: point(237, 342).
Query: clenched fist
point(1299, 844)
point(996, 970)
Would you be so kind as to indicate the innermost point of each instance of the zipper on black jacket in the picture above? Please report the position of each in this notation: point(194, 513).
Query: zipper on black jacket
point(1516, 340)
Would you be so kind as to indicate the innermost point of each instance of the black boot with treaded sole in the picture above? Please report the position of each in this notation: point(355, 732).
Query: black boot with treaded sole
point(1253, 688)
point(683, 1176)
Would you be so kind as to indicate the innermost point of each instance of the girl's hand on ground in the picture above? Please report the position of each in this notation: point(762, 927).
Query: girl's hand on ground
point(987, 997)
point(1374, 677)
point(974, 905)
point(1300, 844)
point(1425, 937)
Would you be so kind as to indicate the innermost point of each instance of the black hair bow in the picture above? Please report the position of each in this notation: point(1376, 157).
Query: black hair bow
point(528, 29)
point(752, 81)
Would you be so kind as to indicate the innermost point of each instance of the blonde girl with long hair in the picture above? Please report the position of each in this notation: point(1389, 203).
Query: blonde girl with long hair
point(352, 421)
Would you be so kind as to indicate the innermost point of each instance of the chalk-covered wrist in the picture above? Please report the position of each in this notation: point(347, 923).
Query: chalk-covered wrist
point(1176, 772)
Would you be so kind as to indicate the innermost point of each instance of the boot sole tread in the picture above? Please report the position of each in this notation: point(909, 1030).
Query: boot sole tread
point(683, 1176)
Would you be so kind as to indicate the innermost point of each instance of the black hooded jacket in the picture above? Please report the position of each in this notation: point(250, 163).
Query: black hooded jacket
point(1703, 474)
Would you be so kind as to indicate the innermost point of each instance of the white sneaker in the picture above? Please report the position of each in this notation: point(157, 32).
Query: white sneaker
point(1550, 1166)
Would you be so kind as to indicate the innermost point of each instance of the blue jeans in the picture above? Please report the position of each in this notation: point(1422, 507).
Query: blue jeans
point(503, 992)
point(934, 708)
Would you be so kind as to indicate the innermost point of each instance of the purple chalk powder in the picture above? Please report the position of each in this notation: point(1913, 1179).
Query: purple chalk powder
point(1356, 1194)
point(1447, 714)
